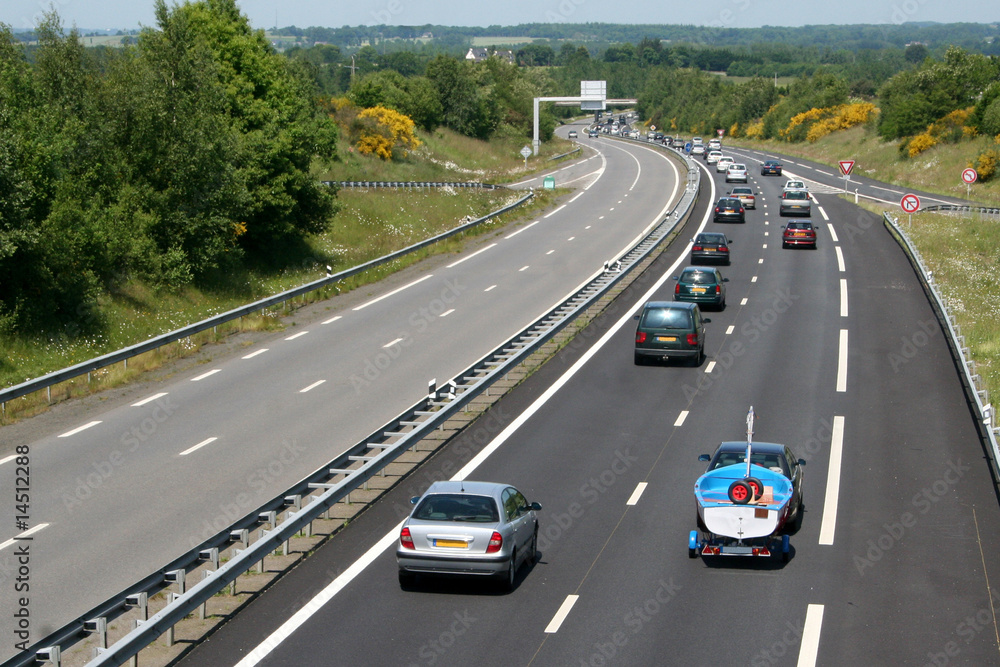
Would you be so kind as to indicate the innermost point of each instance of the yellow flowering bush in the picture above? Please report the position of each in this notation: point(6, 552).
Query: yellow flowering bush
point(920, 143)
point(385, 133)
point(754, 130)
point(822, 122)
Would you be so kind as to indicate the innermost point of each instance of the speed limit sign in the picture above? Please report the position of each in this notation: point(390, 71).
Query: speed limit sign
point(910, 203)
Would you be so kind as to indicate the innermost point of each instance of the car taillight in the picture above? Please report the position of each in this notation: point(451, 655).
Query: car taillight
point(640, 336)
point(692, 339)
point(697, 247)
point(495, 543)
point(717, 209)
point(405, 539)
point(741, 209)
point(677, 288)
point(718, 289)
point(723, 248)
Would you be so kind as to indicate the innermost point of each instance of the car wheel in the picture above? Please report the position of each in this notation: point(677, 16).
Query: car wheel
point(740, 492)
point(533, 554)
point(797, 523)
point(510, 575)
point(784, 245)
point(640, 360)
point(406, 579)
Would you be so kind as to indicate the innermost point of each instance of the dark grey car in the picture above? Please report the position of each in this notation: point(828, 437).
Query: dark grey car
point(669, 330)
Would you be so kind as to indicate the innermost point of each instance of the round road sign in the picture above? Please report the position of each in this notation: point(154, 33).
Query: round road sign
point(909, 203)
point(970, 175)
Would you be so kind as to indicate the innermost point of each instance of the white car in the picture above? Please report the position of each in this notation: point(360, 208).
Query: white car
point(698, 149)
point(736, 172)
point(723, 163)
point(696, 141)
point(714, 145)
point(746, 196)
point(713, 157)
point(795, 185)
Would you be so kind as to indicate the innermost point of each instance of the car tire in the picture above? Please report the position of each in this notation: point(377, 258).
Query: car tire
point(406, 579)
point(797, 522)
point(740, 492)
point(533, 554)
point(784, 245)
point(640, 359)
point(510, 575)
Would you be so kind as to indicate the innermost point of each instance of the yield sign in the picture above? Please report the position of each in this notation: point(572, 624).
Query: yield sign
point(846, 166)
point(910, 203)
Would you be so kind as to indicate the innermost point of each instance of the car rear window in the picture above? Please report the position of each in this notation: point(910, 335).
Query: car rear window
point(458, 507)
point(799, 225)
point(698, 277)
point(710, 238)
point(796, 194)
point(667, 318)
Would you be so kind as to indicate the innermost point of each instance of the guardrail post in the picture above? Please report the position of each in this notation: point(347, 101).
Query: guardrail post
point(100, 626)
point(296, 502)
point(51, 654)
point(140, 600)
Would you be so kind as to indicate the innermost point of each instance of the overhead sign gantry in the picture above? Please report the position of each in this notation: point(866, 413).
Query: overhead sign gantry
point(593, 97)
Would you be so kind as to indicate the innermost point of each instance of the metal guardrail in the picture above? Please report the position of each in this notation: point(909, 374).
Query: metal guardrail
point(976, 393)
point(949, 208)
point(562, 155)
point(335, 481)
point(414, 184)
point(82, 368)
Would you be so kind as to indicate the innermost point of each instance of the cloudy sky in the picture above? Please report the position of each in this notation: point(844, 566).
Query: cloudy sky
point(127, 14)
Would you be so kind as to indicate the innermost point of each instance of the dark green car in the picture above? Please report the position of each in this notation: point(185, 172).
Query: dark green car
point(701, 284)
point(667, 330)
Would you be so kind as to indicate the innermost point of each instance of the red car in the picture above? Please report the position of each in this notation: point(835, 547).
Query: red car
point(798, 233)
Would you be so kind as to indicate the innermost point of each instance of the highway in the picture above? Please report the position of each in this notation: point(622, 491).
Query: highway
point(839, 353)
point(124, 484)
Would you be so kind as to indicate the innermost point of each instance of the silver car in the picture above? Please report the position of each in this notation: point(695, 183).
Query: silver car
point(468, 528)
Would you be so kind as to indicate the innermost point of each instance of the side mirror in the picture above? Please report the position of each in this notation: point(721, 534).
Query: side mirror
point(706, 320)
point(802, 462)
point(414, 499)
point(705, 458)
point(725, 280)
point(636, 318)
point(535, 506)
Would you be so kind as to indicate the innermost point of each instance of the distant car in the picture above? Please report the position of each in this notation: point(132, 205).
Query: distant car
point(670, 330)
point(711, 157)
point(771, 168)
point(795, 185)
point(701, 285)
point(795, 202)
point(698, 149)
point(592, 134)
point(746, 196)
point(777, 458)
point(710, 247)
point(736, 173)
point(468, 528)
point(723, 163)
point(572, 134)
point(729, 209)
point(714, 144)
point(697, 141)
point(798, 233)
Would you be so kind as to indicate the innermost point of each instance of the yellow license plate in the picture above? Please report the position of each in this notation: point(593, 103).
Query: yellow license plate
point(799, 234)
point(709, 249)
point(454, 544)
point(666, 339)
point(699, 290)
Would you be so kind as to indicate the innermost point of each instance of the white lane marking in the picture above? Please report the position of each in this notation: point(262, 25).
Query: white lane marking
point(149, 400)
point(571, 238)
point(312, 386)
point(765, 246)
point(447, 312)
point(823, 213)
point(8, 459)
point(840, 259)
point(809, 649)
point(393, 292)
point(523, 268)
point(561, 614)
point(525, 228)
point(843, 297)
point(820, 171)
point(588, 227)
point(21, 536)
point(575, 198)
point(754, 279)
point(298, 335)
point(78, 429)
point(829, 524)
point(760, 261)
point(731, 329)
point(744, 300)
point(454, 264)
point(612, 208)
point(254, 354)
point(207, 441)
point(833, 233)
point(550, 252)
point(552, 213)
point(332, 319)
point(393, 342)
point(842, 362)
point(681, 417)
point(321, 598)
point(710, 367)
point(634, 498)
point(324, 596)
point(490, 288)
point(898, 192)
point(601, 218)
point(205, 375)
point(767, 233)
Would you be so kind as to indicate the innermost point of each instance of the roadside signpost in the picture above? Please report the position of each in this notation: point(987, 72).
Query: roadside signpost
point(909, 203)
point(845, 168)
point(526, 153)
point(969, 176)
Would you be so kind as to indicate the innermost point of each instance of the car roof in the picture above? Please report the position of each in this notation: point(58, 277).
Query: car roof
point(474, 488)
point(741, 446)
point(699, 267)
point(680, 305)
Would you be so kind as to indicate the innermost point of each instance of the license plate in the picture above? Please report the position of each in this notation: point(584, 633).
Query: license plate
point(666, 339)
point(709, 249)
point(454, 544)
point(698, 290)
point(738, 551)
point(799, 234)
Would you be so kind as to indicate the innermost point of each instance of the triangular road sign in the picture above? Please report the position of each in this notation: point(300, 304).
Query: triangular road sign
point(846, 166)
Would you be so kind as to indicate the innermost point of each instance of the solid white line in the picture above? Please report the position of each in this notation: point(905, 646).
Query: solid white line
point(829, 524)
point(833, 233)
point(840, 259)
point(8, 459)
point(809, 649)
point(312, 386)
point(552, 213)
point(28, 533)
point(526, 227)
point(454, 264)
point(332, 319)
point(842, 362)
point(254, 354)
point(820, 171)
point(575, 198)
point(298, 335)
point(634, 498)
point(321, 598)
point(393, 292)
point(447, 312)
point(205, 375)
point(710, 367)
point(843, 297)
point(393, 342)
point(823, 213)
point(78, 429)
point(681, 417)
point(201, 444)
point(490, 288)
point(561, 615)
point(149, 400)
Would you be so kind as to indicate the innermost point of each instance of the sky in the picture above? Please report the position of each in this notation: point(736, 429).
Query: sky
point(132, 14)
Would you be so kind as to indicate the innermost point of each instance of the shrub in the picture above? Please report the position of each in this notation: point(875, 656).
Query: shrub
point(919, 144)
point(754, 130)
point(386, 133)
point(986, 164)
